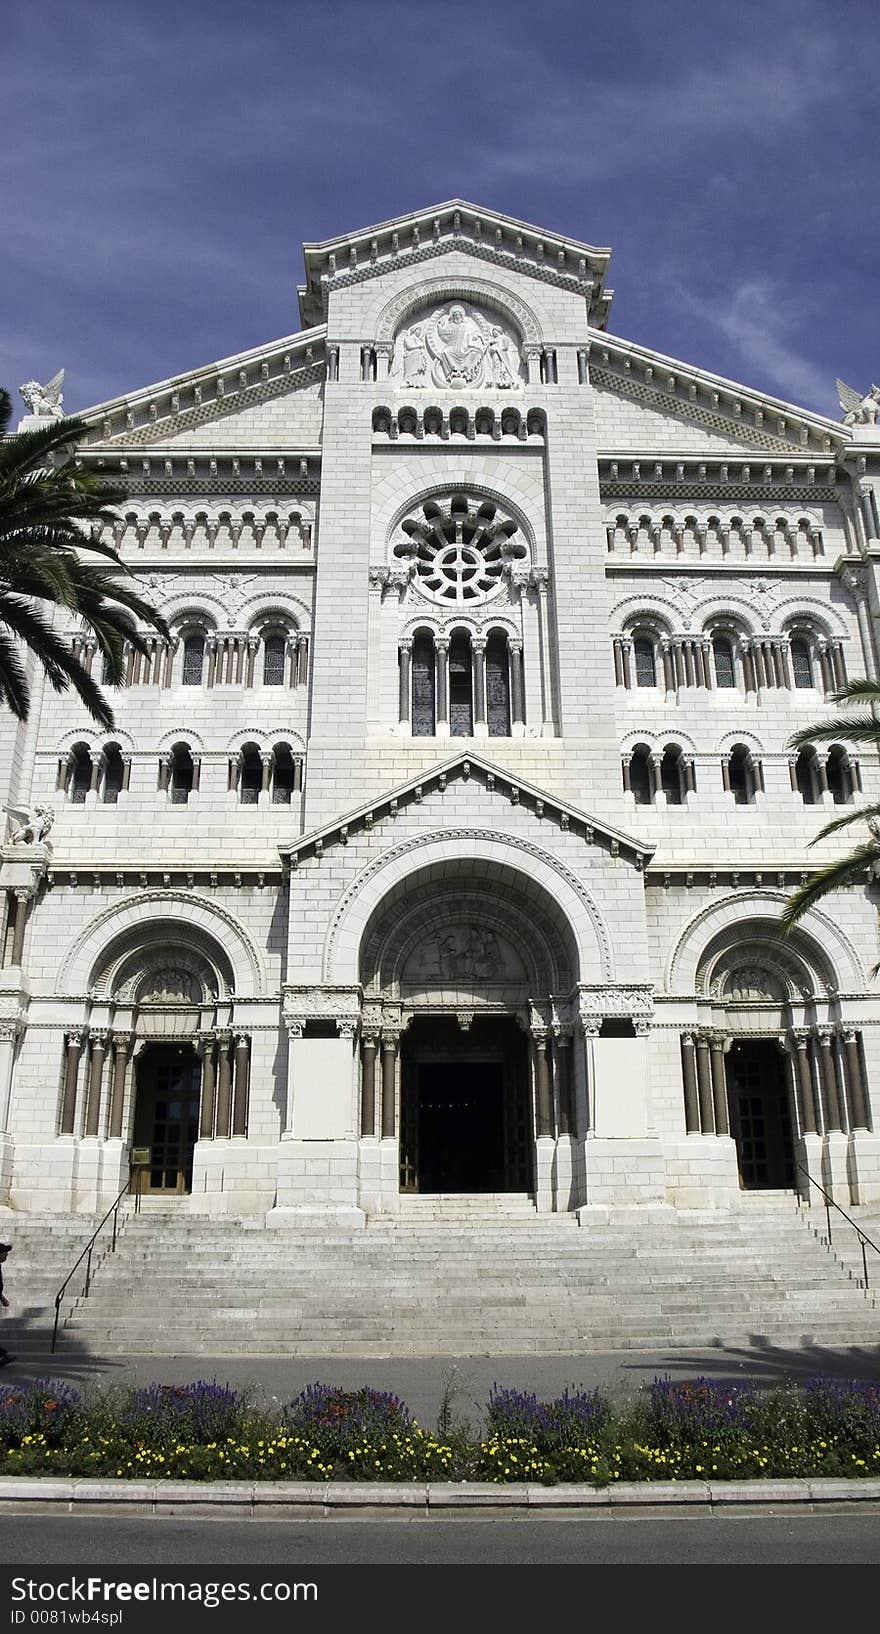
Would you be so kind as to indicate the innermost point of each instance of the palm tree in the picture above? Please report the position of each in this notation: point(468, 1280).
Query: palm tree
point(50, 520)
point(858, 728)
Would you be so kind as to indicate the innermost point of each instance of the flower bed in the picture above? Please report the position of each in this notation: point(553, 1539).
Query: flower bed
point(701, 1429)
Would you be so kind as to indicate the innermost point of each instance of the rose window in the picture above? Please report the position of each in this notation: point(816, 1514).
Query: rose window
point(458, 547)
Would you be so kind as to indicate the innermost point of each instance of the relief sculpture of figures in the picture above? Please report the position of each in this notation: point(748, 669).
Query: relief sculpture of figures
point(457, 346)
point(30, 824)
point(858, 410)
point(46, 402)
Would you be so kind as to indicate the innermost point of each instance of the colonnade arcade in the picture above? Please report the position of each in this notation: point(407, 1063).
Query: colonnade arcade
point(773, 1060)
point(466, 1033)
point(158, 1062)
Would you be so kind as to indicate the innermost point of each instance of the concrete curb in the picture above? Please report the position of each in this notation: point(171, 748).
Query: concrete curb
point(270, 1500)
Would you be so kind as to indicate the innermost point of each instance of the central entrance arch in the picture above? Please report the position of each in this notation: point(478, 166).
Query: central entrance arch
point(465, 963)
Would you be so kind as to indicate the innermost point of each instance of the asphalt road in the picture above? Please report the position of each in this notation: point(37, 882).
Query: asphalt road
point(839, 1539)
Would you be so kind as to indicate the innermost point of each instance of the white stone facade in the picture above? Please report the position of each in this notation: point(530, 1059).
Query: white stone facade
point(444, 847)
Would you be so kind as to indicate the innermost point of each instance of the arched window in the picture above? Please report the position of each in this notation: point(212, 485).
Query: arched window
point(741, 775)
point(182, 774)
point(193, 660)
point(251, 778)
point(722, 655)
point(424, 686)
point(672, 779)
point(645, 661)
point(461, 704)
point(641, 779)
point(273, 660)
point(801, 663)
point(111, 786)
point(283, 775)
point(498, 685)
point(80, 773)
point(806, 777)
point(839, 775)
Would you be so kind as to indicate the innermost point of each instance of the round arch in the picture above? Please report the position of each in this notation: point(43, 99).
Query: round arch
point(818, 942)
point(213, 931)
point(512, 307)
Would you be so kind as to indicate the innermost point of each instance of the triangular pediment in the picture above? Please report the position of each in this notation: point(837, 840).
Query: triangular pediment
point(492, 239)
point(501, 784)
point(171, 409)
point(723, 412)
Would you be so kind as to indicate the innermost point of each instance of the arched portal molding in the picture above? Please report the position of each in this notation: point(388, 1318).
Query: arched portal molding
point(826, 952)
point(542, 876)
point(200, 924)
point(512, 307)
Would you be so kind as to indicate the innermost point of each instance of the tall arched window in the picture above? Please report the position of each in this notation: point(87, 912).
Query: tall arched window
point(251, 778)
point(182, 774)
point(461, 696)
point(80, 773)
point(424, 686)
point(498, 685)
point(801, 663)
point(645, 661)
point(838, 775)
point(283, 775)
point(741, 775)
point(193, 660)
point(641, 780)
point(114, 772)
point(722, 655)
point(273, 660)
point(672, 779)
point(806, 777)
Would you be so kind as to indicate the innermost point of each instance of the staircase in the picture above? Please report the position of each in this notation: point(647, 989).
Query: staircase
point(44, 1247)
point(459, 1277)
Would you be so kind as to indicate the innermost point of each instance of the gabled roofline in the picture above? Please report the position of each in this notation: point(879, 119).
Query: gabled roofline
point(701, 388)
point(517, 789)
point(422, 234)
point(173, 399)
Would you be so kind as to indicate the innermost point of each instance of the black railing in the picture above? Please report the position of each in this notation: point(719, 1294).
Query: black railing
point(132, 1184)
point(864, 1241)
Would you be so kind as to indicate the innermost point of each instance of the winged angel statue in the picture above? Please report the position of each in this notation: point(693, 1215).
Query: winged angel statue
point(858, 410)
point(30, 824)
point(46, 402)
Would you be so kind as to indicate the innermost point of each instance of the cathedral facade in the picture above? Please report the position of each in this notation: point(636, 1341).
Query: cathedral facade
point(442, 849)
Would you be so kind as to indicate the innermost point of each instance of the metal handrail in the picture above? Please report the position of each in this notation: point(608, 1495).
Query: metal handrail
point(829, 1205)
point(134, 1179)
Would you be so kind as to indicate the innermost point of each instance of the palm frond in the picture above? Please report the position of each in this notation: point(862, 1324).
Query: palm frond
point(859, 816)
point(843, 872)
point(14, 689)
point(62, 669)
point(855, 728)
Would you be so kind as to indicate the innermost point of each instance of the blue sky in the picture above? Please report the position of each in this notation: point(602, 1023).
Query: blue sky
point(163, 163)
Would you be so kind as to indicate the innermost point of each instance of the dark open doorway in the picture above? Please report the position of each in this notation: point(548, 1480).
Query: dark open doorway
point(466, 1125)
point(167, 1115)
point(760, 1114)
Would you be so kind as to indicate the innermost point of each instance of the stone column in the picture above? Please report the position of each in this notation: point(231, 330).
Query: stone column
point(564, 1079)
point(122, 1043)
point(9, 1031)
point(626, 762)
point(164, 773)
point(126, 774)
point(517, 686)
point(478, 650)
point(390, 1041)
point(266, 761)
point(97, 1051)
point(369, 1046)
point(858, 1098)
point(626, 660)
point(689, 1079)
point(717, 1048)
point(668, 666)
point(295, 1030)
point(543, 1098)
point(441, 688)
point(22, 898)
point(207, 1049)
point(73, 1042)
point(829, 1079)
point(224, 1085)
point(806, 1096)
point(242, 1084)
point(404, 682)
point(704, 1087)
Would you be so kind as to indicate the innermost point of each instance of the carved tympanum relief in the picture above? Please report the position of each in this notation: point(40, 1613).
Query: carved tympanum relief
point(457, 346)
point(463, 953)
